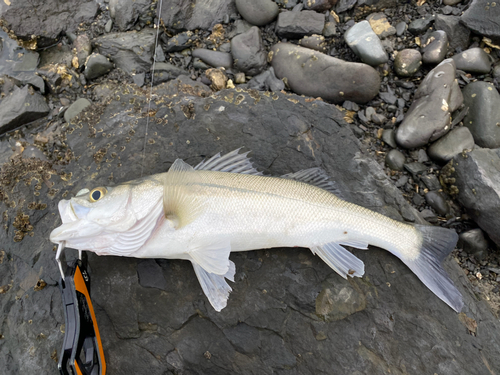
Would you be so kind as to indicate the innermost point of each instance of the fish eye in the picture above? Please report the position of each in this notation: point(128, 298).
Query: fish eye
point(97, 194)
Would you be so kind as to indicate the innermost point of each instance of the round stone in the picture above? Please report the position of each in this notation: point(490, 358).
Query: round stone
point(407, 62)
point(395, 160)
point(257, 12)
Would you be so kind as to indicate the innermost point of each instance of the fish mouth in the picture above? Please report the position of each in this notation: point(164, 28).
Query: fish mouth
point(74, 227)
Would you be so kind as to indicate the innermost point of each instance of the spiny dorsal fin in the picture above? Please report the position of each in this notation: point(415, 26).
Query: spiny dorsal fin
point(181, 204)
point(317, 177)
point(232, 162)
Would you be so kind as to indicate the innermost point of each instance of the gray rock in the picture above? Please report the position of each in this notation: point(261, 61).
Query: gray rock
point(139, 78)
point(422, 156)
point(173, 70)
point(179, 42)
point(319, 5)
point(240, 26)
point(48, 20)
point(420, 25)
point(315, 74)
point(288, 4)
point(32, 79)
point(83, 48)
point(316, 42)
point(75, 109)
point(20, 107)
point(330, 26)
point(483, 118)
point(150, 274)
point(266, 81)
point(214, 58)
point(451, 2)
point(61, 55)
point(437, 201)
point(248, 52)
point(401, 28)
point(395, 160)
point(407, 62)
point(96, 65)
point(183, 15)
point(366, 44)
point(429, 116)
point(388, 137)
point(258, 12)
point(344, 5)
point(416, 169)
point(474, 60)
point(295, 25)
point(131, 51)
point(458, 34)
point(431, 181)
point(477, 184)
point(108, 26)
point(380, 25)
point(482, 17)
point(435, 47)
point(496, 72)
point(125, 13)
point(473, 242)
point(453, 143)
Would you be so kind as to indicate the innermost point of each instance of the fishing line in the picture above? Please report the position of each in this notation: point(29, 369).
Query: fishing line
point(151, 90)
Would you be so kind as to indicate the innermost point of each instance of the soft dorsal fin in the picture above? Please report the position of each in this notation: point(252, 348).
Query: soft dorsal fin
point(317, 177)
point(180, 204)
point(232, 162)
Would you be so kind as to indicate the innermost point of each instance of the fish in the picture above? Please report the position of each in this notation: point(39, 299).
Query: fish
point(224, 204)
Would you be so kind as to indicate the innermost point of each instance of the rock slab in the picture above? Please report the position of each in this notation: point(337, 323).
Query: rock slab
point(295, 25)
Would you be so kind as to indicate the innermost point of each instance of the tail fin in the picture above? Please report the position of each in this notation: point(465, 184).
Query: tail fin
point(437, 244)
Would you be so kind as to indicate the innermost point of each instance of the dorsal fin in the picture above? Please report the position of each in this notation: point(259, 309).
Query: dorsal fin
point(233, 162)
point(317, 177)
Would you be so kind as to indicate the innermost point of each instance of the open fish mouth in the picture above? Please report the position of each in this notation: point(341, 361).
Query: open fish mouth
point(74, 225)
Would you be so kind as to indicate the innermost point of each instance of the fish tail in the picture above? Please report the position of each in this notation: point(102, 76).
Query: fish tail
point(437, 243)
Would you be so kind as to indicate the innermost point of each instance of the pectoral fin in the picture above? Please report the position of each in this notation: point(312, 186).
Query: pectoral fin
point(340, 260)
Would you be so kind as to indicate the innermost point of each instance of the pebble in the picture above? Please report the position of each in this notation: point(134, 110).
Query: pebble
point(458, 34)
point(420, 25)
point(395, 160)
point(451, 2)
point(416, 169)
point(239, 77)
point(496, 72)
point(388, 137)
point(380, 25)
point(453, 143)
point(407, 62)
point(75, 109)
point(422, 156)
point(108, 26)
point(330, 27)
point(473, 60)
point(167, 71)
point(366, 44)
point(401, 28)
point(431, 181)
point(428, 215)
point(217, 77)
point(435, 47)
point(139, 78)
point(179, 42)
point(483, 118)
point(257, 12)
point(344, 5)
point(266, 81)
point(248, 52)
point(437, 201)
point(214, 58)
point(83, 48)
point(429, 116)
point(474, 243)
point(295, 25)
point(350, 106)
point(288, 4)
point(96, 65)
point(319, 5)
point(315, 74)
point(316, 42)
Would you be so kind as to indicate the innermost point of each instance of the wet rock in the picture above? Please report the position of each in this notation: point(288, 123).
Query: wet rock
point(474, 243)
point(420, 25)
point(395, 160)
point(366, 44)
point(259, 12)
point(83, 48)
point(178, 42)
point(407, 62)
point(131, 51)
point(336, 301)
point(125, 13)
point(344, 5)
point(401, 28)
point(316, 42)
point(266, 81)
point(190, 14)
point(166, 71)
point(429, 116)
point(435, 47)
point(59, 54)
point(458, 34)
point(380, 25)
point(477, 184)
point(139, 78)
point(482, 17)
point(248, 52)
point(315, 74)
point(451, 2)
point(20, 107)
point(151, 274)
point(295, 25)
point(474, 60)
point(76, 108)
point(431, 181)
point(330, 26)
point(453, 143)
point(214, 58)
point(96, 65)
point(437, 201)
point(46, 20)
point(288, 4)
point(483, 118)
point(319, 5)
point(58, 77)
point(108, 26)
point(388, 137)
point(217, 78)
point(416, 169)
point(429, 216)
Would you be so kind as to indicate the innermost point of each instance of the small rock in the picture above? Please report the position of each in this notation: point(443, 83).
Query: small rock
point(483, 118)
point(217, 78)
point(400, 28)
point(257, 12)
point(474, 60)
point(380, 25)
point(416, 169)
point(350, 106)
point(496, 72)
point(75, 109)
point(96, 65)
point(295, 25)
point(422, 156)
point(178, 42)
point(288, 4)
point(366, 44)
point(248, 52)
point(474, 243)
point(319, 5)
point(108, 26)
point(315, 74)
point(316, 42)
point(420, 25)
point(240, 26)
point(388, 137)
point(150, 274)
point(430, 216)
point(431, 181)
point(344, 5)
point(407, 62)
point(266, 81)
point(482, 17)
point(453, 143)
point(435, 47)
point(395, 160)
point(214, 58)
point(240, 78)
point(330, 27)
point(173, 70)
point(458, 34)
point(451, 2)
point(437, 201)
point(83, 48)
point(125, 13)
point(139, 78)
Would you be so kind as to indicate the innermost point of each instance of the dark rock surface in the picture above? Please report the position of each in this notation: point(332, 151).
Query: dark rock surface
point(420, 25)
point(266, 81)
point(214, 58)
point(257, 12)
point(473, 242)
point(295, 25)
point(125, 13)
point(482, 17)
point(474, 60)
point(319, 5)
point(458, 34)
point(339, 80)
point(280, 316)
point(477, 185)
point(453, 143)
point(96, 65)
point(75, 109)
point(407, 62)
point(395, 160)
point(248, 52)
point(435, 47)
point(316, 42)
point(366, 44)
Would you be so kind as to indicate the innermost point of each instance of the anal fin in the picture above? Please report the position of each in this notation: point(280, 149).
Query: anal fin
point(213, 256)
point(215, 286)
point(340, 260)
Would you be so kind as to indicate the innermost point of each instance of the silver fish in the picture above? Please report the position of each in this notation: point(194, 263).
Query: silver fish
point(224, 204)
